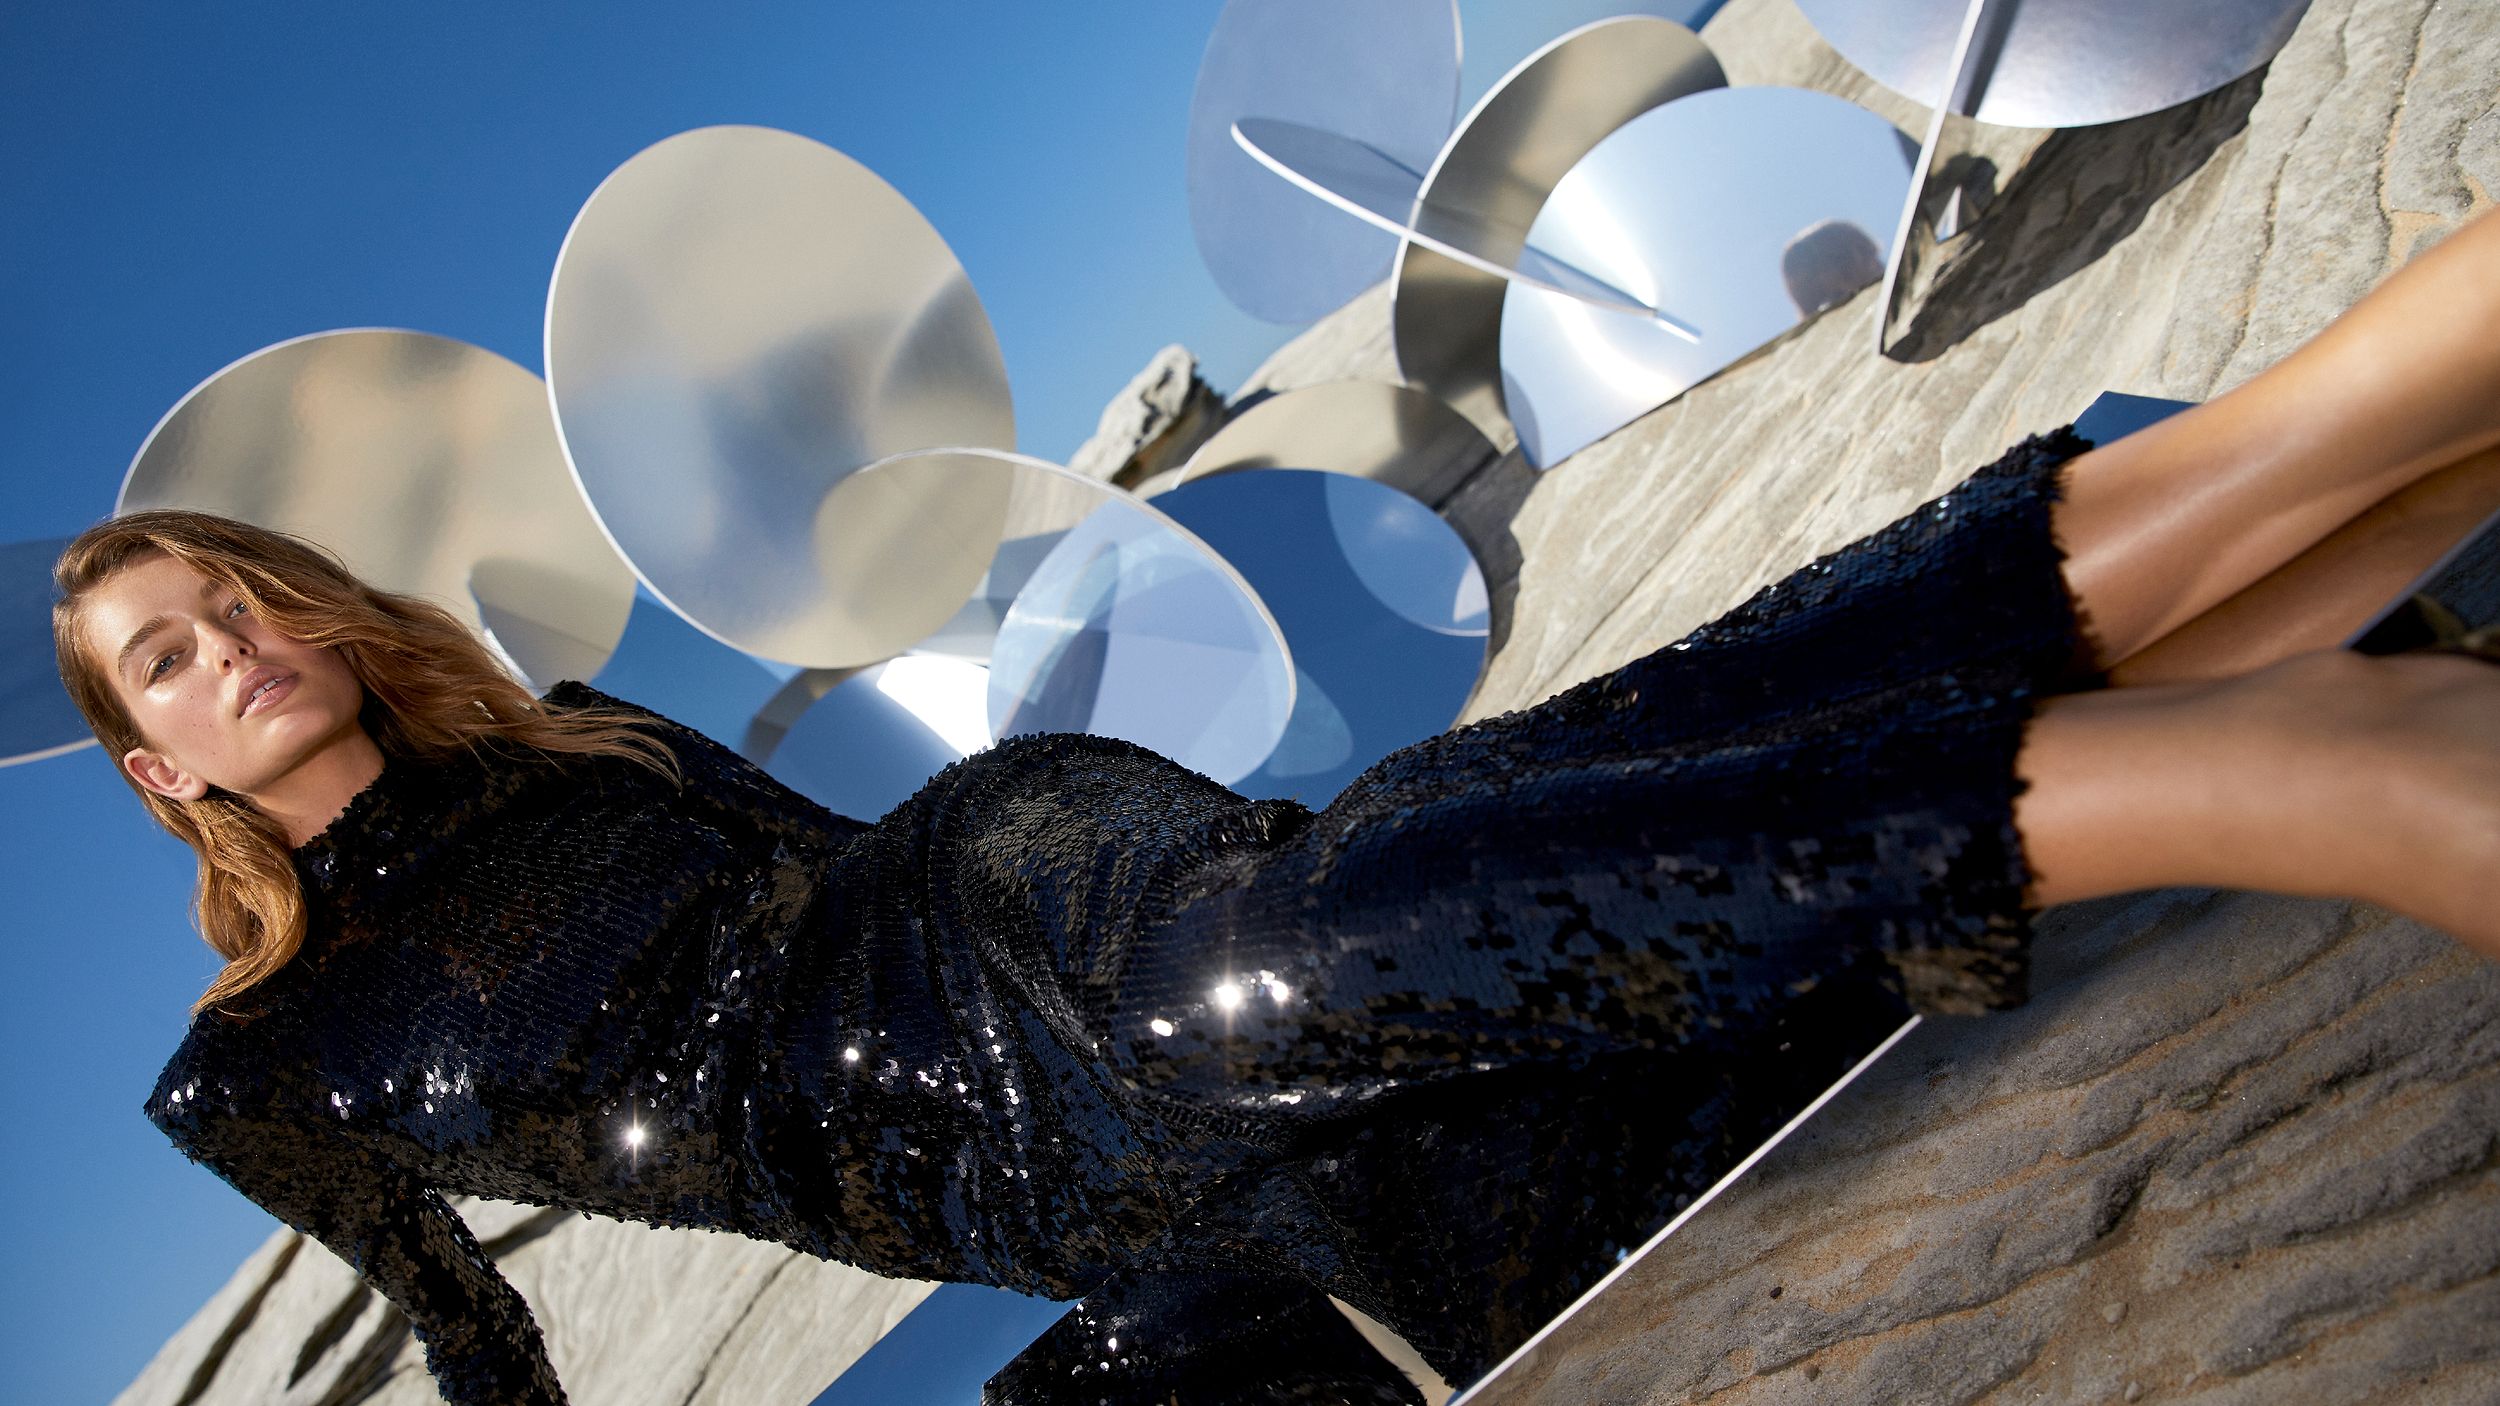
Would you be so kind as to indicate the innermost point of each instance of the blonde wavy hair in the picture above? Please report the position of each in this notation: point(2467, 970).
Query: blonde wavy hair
point(432, 689)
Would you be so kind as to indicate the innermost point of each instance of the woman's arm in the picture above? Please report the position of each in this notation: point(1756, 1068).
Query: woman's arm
point(481, 1343)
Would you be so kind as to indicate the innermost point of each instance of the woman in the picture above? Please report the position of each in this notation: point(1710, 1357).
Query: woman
point(1077, 1021)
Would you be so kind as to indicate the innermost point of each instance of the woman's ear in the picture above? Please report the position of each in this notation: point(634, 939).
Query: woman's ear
point(157, 772)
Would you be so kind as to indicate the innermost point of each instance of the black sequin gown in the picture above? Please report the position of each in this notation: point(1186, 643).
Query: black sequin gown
point(1079, 1022)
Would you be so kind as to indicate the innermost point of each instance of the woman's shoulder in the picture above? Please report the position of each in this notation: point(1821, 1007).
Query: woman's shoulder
point(225, 1065)
point(714, 777)
point(690, 747)
point(573, 694)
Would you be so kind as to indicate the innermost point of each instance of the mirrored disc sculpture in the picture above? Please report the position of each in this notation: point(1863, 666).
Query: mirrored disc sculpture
point(950, 1343)
point(2058, 63)
point(429, 465)
point(1094, 610)
point(2114, 415)
point(1381, 602)
point(1530, 127)
point(2030, 63)
point(1385, 193)
point(1744, 211)
point(37, 720)
point(1964, 76)
point(1382, 74)
point(1396, 435)
point(740, 317)
point(1499, 37)
point(860, 741)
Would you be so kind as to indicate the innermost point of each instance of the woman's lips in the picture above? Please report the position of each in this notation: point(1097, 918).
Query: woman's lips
point(269, 694)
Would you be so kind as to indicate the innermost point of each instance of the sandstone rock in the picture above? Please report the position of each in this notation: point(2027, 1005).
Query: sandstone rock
point(1154, 424)
point(1350, 344)
point(631, 1314)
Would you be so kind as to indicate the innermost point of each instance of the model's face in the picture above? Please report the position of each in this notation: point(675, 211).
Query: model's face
point(219, 698)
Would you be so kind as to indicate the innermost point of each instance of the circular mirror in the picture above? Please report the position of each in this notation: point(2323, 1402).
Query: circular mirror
point(860, 741)
point(2060, 63)
point(1382, 604)
point(37, 720)
point(428, 465)
point(1383, 73)
point(1741, 211)
point(739, 318)
point(1532, 126)
point(1094, 611)
point(1396, 435)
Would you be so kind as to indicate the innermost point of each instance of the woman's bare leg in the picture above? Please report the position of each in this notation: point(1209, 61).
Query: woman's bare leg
point(2328, 774)
point(2319, 598)
point(2226, 540)
point(2173, 521)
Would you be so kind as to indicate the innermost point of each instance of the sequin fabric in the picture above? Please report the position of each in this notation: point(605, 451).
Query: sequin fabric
point(1079, 1022)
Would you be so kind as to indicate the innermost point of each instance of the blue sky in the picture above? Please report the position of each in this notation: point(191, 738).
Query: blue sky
point(184, 184)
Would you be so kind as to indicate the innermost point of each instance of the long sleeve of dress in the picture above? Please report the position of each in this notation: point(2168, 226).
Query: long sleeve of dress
point(481, 1343)
point(1206, 1339)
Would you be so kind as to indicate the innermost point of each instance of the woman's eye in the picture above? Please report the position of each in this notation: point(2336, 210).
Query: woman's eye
point(234, 610)
point(157, 669)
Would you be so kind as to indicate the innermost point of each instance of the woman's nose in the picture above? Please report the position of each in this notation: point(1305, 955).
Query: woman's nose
point(227, 647)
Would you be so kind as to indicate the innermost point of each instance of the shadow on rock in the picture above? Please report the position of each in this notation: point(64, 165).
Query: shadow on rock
point(2082, 191)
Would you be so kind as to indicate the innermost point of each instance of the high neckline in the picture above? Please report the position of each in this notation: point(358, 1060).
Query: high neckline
point(351, 816)
point(410, 807)
point(414, 802)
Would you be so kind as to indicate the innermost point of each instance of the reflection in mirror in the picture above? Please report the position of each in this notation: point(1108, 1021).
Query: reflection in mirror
point(1528, 129)
point(2114, 415)
point(2059, 63)
point(1386, 193)
point(1381, 602)
point(1691, 207)
point(863, 740)
point(739, 318)
point(681, 673)
point(1383, 74)
point(519, 609)
point(1827, 263)
point(1117, 621)
point(1408, 439)
point(2028, 63)
point(1964, 75)
point(957, 1338)
point(429, 465)
point(37, 720)
point(1500, 37)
